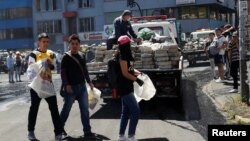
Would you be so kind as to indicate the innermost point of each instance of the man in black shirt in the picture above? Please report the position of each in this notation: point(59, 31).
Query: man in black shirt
point(122, 26)
point(74, 73)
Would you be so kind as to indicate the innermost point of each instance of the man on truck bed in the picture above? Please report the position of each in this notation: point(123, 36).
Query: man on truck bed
point(122, 26)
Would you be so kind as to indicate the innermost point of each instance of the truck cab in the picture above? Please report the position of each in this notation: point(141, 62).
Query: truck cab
point(200, 34)
point(158, 24)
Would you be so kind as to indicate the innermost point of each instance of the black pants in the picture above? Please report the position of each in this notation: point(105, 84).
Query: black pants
point(234, 73)
point(35, 102)
point(110, 42)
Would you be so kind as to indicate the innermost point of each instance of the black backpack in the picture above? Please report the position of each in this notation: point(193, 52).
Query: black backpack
point(113, 70)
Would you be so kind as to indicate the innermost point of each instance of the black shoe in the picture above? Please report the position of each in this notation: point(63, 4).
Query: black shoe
point(90, 135)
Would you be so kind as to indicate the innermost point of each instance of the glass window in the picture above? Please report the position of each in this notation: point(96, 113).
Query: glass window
point(87, 24)
point(51, 26)
point(202, 12)
point(16, 13)
point(17, 33)
point(85, 3)
point(189, 12)
point(213, 15)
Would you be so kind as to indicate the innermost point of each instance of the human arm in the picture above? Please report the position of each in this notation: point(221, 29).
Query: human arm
point(126, 74)
point(64, 76)
point(131, 31)
point(117, 26)
point(86, 73)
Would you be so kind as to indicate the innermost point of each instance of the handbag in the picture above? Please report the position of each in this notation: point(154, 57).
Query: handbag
point(62, 93)
point(213, 49)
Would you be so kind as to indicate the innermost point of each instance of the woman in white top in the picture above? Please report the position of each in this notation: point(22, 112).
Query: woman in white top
point(219, 58)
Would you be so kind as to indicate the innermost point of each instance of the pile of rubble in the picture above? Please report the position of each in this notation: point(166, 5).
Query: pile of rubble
point(148, 55)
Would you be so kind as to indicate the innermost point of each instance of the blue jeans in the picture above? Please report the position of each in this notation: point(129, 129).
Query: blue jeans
point(130, 110)
point(18, 73)
point(80, 94)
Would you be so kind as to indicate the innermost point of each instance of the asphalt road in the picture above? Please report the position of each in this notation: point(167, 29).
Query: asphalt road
point(161, 119)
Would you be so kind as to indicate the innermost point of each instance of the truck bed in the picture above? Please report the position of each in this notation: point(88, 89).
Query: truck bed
point(166, 81)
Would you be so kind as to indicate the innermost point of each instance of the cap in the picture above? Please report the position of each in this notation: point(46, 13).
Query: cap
point(17, 52)
point(126, 12)
point(43, 35)
point(124, 39)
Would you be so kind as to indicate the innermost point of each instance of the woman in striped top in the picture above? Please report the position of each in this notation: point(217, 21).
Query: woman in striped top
point(234, 61)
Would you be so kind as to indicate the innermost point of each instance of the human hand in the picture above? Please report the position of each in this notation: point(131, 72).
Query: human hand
point(139, 81)
point(91, 85)
point(69, 89)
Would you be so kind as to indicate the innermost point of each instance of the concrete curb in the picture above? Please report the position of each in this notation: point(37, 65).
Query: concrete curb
point(223, 101)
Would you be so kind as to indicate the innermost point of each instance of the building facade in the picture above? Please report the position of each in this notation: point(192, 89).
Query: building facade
point(90, 19)
point(16, 25)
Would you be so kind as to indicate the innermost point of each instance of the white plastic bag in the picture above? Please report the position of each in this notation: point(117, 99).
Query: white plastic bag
point(41, 79)
point(93, 97)
point(146, 91)
point(32, 71)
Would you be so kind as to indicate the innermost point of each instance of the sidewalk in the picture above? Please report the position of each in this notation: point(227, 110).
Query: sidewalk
point(230, 103)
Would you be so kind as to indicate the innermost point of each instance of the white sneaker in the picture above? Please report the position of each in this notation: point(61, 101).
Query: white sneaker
point(122, 138)
point(31, 135)
point(132, 138)
point(233, 91)
point(219, 80)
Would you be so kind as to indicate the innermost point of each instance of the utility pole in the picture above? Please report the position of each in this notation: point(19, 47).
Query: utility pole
point(244, 37)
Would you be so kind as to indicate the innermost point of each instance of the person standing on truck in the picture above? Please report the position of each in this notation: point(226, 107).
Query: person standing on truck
point(40, 53)
point(122, 26)
point(219, 58)
point(210, 56)
point(125, 79)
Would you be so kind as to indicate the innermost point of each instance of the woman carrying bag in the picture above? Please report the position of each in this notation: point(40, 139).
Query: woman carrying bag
point(125, 80)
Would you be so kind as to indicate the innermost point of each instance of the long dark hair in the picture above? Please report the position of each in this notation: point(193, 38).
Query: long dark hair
point(125, 52)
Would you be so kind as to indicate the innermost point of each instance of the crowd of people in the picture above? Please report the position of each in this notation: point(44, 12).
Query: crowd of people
point(223, 52)
point(74, 75)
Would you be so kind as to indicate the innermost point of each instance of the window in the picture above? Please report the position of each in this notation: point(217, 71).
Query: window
point(213, 13)
point(17, 33)
point(189, 12)
point(85, 3)
point(48, 5)
point(15, 13)
point(87, 24)
point(202, 12)
point(51, 26)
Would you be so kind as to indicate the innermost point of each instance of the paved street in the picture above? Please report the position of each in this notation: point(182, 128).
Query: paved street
point(161, 119)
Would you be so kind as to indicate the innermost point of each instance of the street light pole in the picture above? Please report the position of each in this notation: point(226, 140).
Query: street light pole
point(132, 3)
